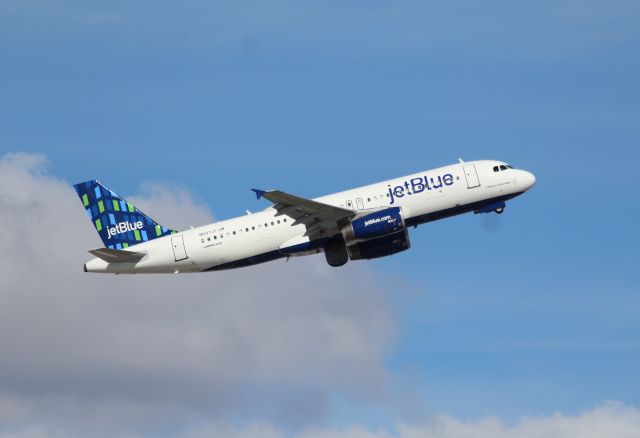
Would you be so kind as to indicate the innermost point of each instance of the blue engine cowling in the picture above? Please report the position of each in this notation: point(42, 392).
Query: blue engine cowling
point(373, 225)
point(380, 247)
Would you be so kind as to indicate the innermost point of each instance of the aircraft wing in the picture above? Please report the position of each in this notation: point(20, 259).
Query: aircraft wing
point(321, 220)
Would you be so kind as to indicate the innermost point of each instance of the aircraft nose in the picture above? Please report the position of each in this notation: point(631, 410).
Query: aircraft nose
point(528, 179)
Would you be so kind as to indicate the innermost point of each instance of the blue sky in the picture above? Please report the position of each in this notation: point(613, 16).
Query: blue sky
point(529, 313)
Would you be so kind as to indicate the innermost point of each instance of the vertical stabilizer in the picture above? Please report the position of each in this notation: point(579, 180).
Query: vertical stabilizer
point(119, 223)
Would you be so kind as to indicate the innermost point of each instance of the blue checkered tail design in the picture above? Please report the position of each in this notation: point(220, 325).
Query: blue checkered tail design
point(119, 224)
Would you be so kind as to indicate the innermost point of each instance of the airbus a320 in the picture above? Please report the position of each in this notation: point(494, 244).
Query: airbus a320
point(367, 222)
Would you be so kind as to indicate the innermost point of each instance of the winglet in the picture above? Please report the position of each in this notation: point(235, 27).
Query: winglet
point(259, 193)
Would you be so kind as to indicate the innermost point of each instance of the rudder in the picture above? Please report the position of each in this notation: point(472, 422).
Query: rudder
point(118, 222)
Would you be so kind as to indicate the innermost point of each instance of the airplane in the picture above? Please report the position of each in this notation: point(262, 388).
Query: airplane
point(359, 224)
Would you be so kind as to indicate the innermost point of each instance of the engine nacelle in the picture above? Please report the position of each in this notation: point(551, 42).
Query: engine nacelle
point(335, 251)
point(374, 225)
point(380, 247)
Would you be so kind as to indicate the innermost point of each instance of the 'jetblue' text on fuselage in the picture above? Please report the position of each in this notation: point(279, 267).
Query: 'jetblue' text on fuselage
point(419, 185)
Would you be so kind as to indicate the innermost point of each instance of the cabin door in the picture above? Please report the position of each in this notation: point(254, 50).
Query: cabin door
point(471, 175)
point(179, 250)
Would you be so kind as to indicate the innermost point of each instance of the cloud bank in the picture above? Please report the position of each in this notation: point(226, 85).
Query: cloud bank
point(138, 352)
point(262, 351)
point(611, 420)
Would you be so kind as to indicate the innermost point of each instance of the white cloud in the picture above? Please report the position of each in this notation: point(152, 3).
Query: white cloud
point(611, 420)
point(115, 353)
point(171, 206)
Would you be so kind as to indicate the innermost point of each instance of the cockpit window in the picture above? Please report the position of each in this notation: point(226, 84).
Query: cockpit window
point(502, 167)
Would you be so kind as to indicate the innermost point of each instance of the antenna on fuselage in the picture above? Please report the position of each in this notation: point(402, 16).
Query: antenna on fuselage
point(461, 161)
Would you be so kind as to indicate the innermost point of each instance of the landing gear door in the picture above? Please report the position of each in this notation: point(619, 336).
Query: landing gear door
point(471, 175)
point(179, 250)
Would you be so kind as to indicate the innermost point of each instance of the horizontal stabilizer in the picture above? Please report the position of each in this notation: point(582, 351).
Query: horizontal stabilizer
point(117, 255)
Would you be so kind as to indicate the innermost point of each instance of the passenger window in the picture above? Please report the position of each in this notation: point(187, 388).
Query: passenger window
point(234, 233)
point(253, 228)
point(271, 223)
point(278, 220)
point(285, 219)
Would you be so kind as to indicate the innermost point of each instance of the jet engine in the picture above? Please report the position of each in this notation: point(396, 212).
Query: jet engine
point(380, 247)
point(369, 236)
point(374, 225)
point(335, 251)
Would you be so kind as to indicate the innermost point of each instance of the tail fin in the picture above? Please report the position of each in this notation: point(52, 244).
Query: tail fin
point(117, 221)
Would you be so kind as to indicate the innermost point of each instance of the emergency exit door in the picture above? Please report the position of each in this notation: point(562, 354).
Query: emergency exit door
point(179, 250)
point(471, 175)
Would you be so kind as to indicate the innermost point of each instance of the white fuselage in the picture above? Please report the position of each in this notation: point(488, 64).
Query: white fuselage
point(263, 236)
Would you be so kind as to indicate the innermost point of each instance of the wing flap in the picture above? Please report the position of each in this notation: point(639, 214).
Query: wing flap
point(319, 219)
